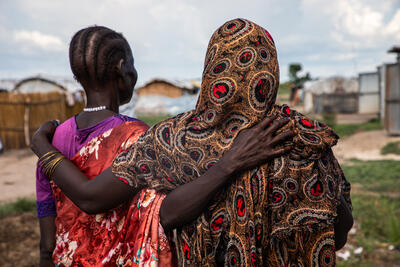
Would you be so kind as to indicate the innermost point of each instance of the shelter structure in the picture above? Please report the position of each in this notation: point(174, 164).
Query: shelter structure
point(7, 84)
point(168, 88)
point(334, 94)
point(25, 104)
point(41, 84)
point(369, 95)
point(390, 92)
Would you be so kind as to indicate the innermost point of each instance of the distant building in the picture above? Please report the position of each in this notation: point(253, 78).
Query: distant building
point(26, 103)
point(169, 88)
point(334, 94)
point(7, 84)
point(46, 84)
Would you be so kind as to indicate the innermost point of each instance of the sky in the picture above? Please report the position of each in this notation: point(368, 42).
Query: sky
point(169, 37)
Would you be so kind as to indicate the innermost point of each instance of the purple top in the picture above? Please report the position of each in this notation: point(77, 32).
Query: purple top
point(68, 139)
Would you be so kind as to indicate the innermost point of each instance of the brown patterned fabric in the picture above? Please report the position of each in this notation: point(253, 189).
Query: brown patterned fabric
point(279, 214)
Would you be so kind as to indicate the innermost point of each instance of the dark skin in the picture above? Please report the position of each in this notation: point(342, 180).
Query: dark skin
point(106, 192)
point(251, 148)
point(112, 94)
point(183, 204)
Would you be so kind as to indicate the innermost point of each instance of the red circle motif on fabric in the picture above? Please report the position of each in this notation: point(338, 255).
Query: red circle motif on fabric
point(222, 90)
point(245, 57)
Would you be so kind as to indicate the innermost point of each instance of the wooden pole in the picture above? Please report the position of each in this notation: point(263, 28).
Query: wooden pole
point(26, 122)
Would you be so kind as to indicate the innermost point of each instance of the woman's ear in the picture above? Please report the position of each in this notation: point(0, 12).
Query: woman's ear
point(119, 68)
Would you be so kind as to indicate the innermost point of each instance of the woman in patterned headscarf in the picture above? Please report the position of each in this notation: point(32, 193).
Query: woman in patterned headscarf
point(279, 214)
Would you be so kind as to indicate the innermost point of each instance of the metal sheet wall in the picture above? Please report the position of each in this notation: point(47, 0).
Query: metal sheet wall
point(392, 99)
point(369, 93)
point(382, 89)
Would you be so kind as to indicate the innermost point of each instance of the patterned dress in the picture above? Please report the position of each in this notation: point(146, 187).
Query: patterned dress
point(129, 235)
point(279, 214)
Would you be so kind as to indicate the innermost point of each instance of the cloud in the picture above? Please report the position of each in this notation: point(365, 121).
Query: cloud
point(37, 39)
point(393, 27)
point(357, 23)
point(356, 18)
point(169, 38)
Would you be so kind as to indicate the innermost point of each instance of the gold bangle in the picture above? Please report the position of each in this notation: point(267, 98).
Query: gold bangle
point(46, 157)
point(51, 165)
point(54, 165)
point(48, 154)
point(48, 160)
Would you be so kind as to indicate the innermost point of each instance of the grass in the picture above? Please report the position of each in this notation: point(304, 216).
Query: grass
point(379, 219)
point(391, 148)
point(19, 206)
point(151, 120)
point(377, 176)
point(349, 129)
point(284, 92)
point(376, 210)
point(284, 89)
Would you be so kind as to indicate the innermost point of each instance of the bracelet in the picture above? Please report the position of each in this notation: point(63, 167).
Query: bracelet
point(48, 155)
point(50, 161)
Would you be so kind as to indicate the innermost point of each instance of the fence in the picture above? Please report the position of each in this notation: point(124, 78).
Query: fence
point(22, 114)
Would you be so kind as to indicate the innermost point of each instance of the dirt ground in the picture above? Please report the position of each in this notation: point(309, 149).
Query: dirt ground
point(364, 146)
point(19, 240)
point(17, 174)
point(19, 234)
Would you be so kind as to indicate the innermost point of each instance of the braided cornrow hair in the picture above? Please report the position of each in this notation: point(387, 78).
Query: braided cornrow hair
point(94, 51)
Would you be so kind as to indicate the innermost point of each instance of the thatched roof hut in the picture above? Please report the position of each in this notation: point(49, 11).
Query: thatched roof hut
point(25, 104)
point(42, 84)
point(169, 88)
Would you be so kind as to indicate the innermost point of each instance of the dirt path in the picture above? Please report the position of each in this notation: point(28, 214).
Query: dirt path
point(17, 175)
point(364, 146)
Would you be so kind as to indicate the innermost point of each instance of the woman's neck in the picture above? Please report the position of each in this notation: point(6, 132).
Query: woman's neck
point(98, 98)
point(106, 98)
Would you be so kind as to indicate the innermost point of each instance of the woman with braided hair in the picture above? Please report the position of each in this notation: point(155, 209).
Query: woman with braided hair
point(112, 230)
point(291, 211)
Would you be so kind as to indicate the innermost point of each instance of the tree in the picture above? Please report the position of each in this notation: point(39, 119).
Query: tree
point(294, 68)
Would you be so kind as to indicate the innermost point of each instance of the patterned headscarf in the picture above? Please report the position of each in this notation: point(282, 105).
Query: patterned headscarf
point(281, 213)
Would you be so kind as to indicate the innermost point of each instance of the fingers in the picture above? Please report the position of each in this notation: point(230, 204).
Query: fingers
point(55, 122)
point(266, 122)
point(47, 129)
point(277, 124)
point(257, 129)
point(280, 151)
point(282, 137)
